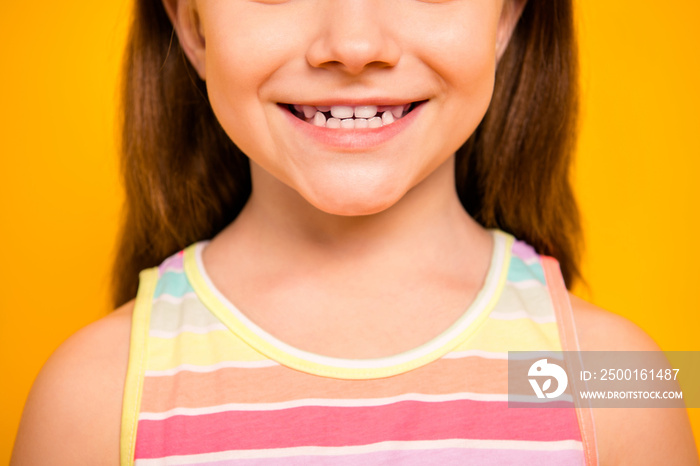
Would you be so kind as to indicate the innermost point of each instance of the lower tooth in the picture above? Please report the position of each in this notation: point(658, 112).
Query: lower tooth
point(387, 118)
point(319, 119)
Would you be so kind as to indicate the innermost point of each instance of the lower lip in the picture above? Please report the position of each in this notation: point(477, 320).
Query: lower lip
point(353, 140)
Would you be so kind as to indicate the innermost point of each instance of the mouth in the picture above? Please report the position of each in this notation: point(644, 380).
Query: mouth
point(351, 117)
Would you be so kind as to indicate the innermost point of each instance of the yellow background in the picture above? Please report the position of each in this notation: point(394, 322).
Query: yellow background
point(636, 173)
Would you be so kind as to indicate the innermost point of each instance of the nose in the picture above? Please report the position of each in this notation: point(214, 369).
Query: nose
point(353, 35)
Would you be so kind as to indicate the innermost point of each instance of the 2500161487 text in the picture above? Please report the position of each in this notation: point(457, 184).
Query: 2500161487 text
point(636, 374)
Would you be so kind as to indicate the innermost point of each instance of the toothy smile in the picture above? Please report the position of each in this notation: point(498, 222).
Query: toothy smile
point(349, 117)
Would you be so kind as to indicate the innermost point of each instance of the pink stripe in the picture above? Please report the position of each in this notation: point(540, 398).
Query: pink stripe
point(523, 250)
point(174, 263)
point(340, 426)
point(422, 457)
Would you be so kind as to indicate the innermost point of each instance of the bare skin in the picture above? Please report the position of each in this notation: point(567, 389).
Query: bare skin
point(73, 412)
point(72, 415)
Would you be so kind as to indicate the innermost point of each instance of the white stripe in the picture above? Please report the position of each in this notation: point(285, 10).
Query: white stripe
point(532, 260)
point(170, 268)
point(476, 353)
point(514, 355)
point(175, 299)
point(187, 329)
point(212, 367)
point(326, 402)
point(525, 445)
point(534, 399)
point(522, 314)
point(525, 284)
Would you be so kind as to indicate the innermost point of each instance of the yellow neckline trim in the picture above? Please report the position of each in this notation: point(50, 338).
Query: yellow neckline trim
point(341, 368)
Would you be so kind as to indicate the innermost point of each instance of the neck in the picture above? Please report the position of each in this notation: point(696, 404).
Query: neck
point(332, 284)
point(429, 215)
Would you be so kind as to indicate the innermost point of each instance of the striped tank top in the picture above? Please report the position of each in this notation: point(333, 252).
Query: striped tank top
point(207, 386)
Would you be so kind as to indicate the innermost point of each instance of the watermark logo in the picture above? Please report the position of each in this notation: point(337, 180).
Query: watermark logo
point(604, 379)
point(542, 368)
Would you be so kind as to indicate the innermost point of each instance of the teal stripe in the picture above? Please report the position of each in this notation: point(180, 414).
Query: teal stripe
point(173, 283)
point(519, 271)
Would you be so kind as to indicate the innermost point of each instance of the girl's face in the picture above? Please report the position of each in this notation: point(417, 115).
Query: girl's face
point(351, 103)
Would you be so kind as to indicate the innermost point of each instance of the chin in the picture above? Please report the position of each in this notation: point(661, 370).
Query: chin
point(354, 201)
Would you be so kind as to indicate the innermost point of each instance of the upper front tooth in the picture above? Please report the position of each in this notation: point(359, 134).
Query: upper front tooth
point(341, 111)
point(365, 111)
point(309, 111)
point(323, 108)
point(397, 111)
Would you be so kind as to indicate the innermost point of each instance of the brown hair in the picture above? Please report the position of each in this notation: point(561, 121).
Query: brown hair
point(185, 180)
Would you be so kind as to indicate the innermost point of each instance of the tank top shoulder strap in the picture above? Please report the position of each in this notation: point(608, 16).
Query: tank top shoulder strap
point(148, 280)
point(569, 342)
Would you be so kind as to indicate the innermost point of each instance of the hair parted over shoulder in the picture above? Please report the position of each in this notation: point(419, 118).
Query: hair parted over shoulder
point(185, 180)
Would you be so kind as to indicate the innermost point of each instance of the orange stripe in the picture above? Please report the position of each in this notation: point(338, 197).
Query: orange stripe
point(262, 385)
point(567, 331)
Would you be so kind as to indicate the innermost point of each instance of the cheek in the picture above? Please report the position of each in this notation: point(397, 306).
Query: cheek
point(473, 83)
point(240, 57)
point(463, 54)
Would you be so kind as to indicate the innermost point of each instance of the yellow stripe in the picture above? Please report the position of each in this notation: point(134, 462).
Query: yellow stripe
point(199, 350)
point(500, 336)
point(137, 360)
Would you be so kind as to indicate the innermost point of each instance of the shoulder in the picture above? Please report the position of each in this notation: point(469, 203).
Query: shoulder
point(73, 411)
point(601, 330)
point(631, 435)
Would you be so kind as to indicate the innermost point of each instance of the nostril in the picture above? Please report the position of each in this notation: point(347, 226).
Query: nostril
point(353, 42)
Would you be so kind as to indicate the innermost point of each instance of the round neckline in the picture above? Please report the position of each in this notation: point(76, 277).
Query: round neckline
point(345, 368)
